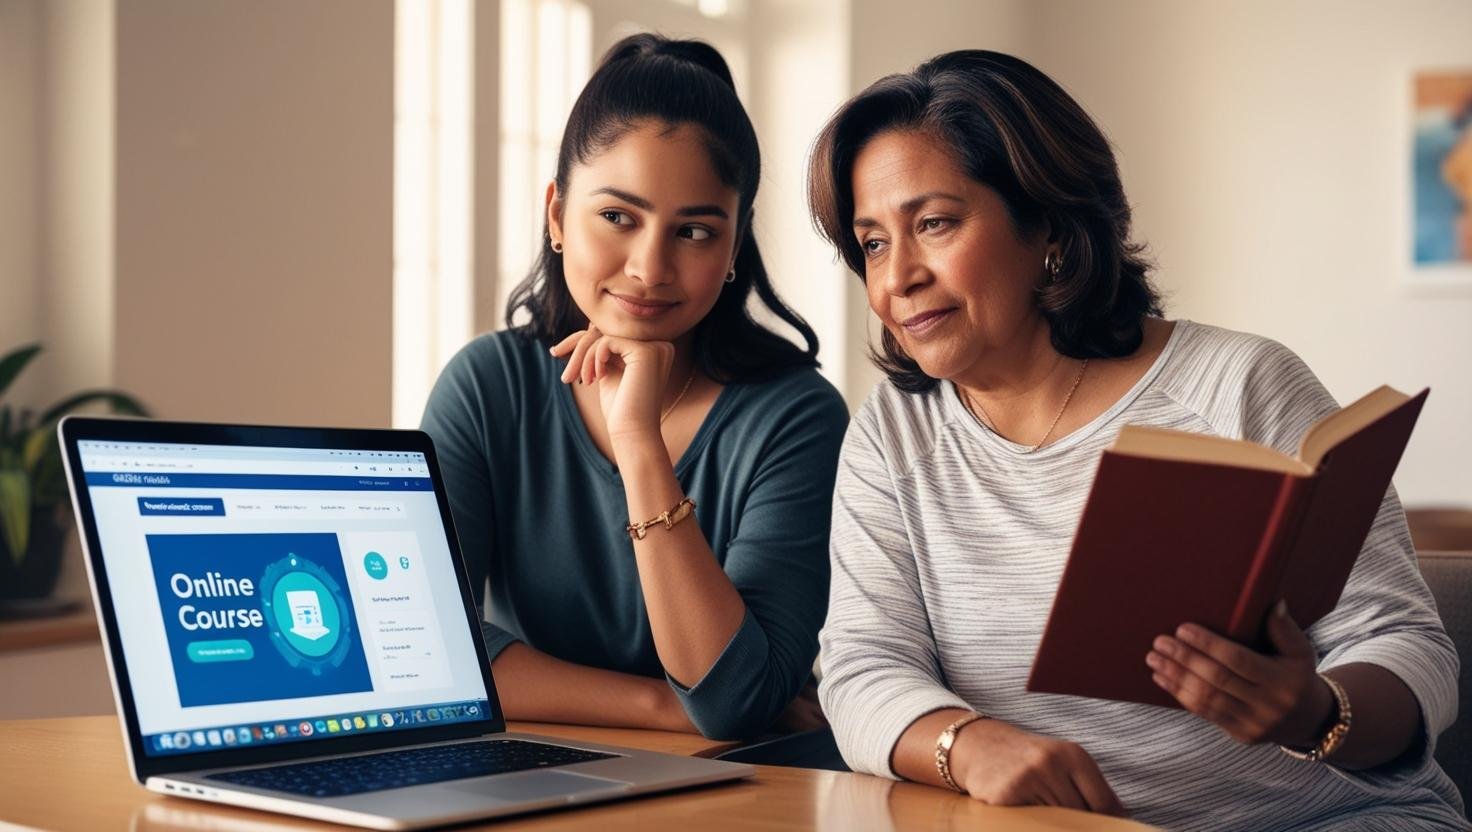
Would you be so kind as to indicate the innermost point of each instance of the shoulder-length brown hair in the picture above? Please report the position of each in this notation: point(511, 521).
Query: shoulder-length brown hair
point(1013, 129)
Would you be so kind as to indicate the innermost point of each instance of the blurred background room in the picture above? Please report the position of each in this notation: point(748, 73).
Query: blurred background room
point(295, 211)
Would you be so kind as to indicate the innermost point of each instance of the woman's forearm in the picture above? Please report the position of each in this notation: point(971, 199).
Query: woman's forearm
point(913, 757)
point(694, 610)
point(536, 687)
point(1386, 718)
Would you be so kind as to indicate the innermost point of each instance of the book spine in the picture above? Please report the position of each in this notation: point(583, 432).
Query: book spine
point(1269, 561)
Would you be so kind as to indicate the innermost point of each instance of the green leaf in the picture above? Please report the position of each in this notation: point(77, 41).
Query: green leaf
point(36, 444)
point(41, 459)
point(15, 512)
point(119, 402)
point(48, 479)
point(12, 364)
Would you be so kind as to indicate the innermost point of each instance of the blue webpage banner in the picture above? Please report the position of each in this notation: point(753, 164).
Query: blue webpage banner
point(253, 617)
point(280, 482)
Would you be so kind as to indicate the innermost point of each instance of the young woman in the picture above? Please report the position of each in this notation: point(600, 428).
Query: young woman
point(983, 210)
point(641, 471)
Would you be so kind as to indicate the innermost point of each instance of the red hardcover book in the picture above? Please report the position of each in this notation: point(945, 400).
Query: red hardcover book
point(1188, 527)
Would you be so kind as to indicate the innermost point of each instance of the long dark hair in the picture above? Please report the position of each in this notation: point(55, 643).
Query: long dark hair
point(647, 77)
point(1013, 129)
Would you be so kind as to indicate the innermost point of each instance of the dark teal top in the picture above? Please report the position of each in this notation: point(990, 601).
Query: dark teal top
point(541, 515)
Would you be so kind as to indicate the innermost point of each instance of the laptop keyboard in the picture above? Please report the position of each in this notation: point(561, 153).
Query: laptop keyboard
point(410, 767)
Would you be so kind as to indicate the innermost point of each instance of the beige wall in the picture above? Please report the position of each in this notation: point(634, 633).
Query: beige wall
point(55, 207)
point(1263, 145)
point(20, 153)
point(77, 194)
point(799, 75)
point(254, 209)
point(198, 203)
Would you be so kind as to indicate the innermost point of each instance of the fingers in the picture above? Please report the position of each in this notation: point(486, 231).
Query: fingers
point(1210, 668)
point(1077, 783)
point(603, 356)
point(588, 370)
point(566, 344)
point(1048, 773)
point(582, 341)
point(1288, 638)
point(1094, 789)
point(590, 354)
point(1057, 789)
point(1203, 699)
point(1251, 696)
point(1241, 661)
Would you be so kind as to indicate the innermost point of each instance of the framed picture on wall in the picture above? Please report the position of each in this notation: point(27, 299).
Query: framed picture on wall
point(1441, 178)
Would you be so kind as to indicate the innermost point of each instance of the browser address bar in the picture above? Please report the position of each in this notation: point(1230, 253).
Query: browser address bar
point(100, 462)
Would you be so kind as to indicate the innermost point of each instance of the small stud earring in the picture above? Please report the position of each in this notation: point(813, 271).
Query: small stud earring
point(731, 276)
point(557, 246)
point(1053, 265)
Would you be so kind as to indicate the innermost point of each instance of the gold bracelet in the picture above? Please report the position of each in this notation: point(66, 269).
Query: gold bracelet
point(943, 749)
point(682, 509)
point(1334, 737)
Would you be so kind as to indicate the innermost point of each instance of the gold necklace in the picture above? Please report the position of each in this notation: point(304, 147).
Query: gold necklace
point(990, 424)
point(671, 408)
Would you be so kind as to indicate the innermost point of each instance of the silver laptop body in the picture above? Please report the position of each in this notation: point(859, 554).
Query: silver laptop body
point(252, 582)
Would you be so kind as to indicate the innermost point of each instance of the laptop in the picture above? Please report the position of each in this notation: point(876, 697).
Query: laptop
point(289, 626)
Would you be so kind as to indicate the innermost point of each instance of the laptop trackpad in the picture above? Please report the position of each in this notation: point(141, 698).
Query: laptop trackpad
point(538, 785)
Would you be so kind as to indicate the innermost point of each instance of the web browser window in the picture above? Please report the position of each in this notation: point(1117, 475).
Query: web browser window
point(280, 594)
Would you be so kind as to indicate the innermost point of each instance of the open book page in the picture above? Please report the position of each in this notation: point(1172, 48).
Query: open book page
point(1346, 422)
point(1160, 443)
point(1318, 440)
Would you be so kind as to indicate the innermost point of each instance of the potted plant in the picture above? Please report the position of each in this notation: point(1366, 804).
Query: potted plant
point(34, 514)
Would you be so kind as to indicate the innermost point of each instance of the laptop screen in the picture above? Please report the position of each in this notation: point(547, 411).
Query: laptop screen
point(274, 595)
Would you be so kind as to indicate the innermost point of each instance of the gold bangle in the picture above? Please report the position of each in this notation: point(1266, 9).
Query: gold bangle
point(943, 749)
point(1334, 737)
point(682, 509)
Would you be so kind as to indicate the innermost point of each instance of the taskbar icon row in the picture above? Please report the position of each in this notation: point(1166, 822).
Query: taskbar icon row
point(236, 736)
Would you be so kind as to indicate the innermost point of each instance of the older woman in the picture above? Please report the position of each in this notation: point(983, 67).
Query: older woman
point(983, 210)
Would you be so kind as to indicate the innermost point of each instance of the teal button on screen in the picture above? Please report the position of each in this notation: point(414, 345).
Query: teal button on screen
point(375, 566)
point(228, 650)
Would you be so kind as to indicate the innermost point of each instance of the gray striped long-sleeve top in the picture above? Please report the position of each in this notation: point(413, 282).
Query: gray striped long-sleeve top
point(947, 546)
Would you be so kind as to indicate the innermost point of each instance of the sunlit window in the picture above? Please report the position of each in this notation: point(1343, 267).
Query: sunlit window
point(433, 207)
point(546, 55)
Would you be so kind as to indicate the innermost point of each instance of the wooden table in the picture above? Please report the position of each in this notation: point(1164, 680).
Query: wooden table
point(71, 774)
